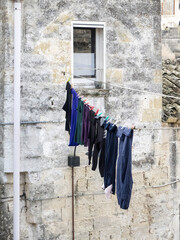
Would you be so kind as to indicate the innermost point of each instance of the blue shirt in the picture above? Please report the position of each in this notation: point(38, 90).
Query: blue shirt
point(110, 155)
point(124, 167)
point(73, 117)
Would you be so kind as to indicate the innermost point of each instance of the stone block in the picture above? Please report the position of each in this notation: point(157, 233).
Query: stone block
point(99, 209)
point(52, 210)
point(141, 231)
point(157, 176)
point(84, 225)
point(66, 214)
point(138, 180)
point(103, 222)
point(81, 211)
point(82, 185)
point(34, 211)
point(151, 115)
point(79, 173)
point(114, 75)
point(56, 230)
point(172, 120)
point(91, 174)
point(63, 184)
point(158, 76)
point(161, 149)
point(84, 199)
point(82, 235)
point(158, 103)
point(95, 184)
point(54, 50)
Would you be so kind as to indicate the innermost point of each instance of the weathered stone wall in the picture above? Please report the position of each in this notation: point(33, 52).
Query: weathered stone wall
point(171, 86)
point(133, 59)
point(171, 73)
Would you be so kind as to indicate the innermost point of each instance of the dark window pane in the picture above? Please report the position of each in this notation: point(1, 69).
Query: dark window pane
point(84, 52)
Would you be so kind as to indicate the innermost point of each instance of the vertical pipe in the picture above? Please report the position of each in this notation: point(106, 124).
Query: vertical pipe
point(73, 197)
point(104, 55)
point(72, 53)
point(16, 175)
point(73, 203)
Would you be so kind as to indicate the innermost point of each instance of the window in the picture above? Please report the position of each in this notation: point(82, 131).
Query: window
point(88, 50)
point(168, 7)
point(84, 52)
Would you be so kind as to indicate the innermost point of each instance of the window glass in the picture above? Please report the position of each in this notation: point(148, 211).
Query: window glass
point(84, 52)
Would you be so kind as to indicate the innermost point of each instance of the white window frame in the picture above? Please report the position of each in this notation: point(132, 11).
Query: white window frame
point(99, 48)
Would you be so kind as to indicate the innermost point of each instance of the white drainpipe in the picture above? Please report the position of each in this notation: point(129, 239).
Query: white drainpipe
point(17, 74)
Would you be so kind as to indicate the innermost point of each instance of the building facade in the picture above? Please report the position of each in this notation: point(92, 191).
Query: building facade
point(122, 50)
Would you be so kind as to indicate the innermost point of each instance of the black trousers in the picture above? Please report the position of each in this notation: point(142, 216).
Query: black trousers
point(99, 152)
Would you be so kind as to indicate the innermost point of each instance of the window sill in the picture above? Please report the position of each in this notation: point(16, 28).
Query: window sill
point(93, 92)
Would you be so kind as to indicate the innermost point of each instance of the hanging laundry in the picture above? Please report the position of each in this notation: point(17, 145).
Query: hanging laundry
point(85, 125)
point(67, 107)
point(77, 135)
point(111, 147)
point(91, 134)
point(73, 117)
point(124, 167)
point(99, 147)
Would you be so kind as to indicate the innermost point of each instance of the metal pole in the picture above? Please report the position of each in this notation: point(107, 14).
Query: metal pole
point(16, 175)
point(73, 203)
point(73, 197)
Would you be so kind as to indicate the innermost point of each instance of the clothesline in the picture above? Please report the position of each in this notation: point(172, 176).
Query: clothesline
point(62, 121)
point(138, 128)
point(127, 88)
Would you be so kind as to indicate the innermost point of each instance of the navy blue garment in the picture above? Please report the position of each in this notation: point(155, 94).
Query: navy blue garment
point(110, 155)
point(124, 167)
point(73, 117)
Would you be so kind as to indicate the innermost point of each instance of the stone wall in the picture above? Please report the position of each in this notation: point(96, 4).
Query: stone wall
point(171, 86)
point(171, 73)
point(133, 59)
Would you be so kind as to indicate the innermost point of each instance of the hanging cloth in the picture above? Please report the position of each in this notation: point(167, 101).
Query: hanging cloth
point(73, 117)
point(85, 125)
point(110, 158)
point(91, 134)
point(80, 109)
point(124, 167)
point(67, 107)
point(99, 148)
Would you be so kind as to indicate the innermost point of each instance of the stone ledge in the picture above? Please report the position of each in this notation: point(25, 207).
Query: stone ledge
point(93, 92)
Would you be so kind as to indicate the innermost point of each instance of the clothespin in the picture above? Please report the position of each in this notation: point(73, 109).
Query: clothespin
point(116, 122)
point(91, 107)
point(106, 118)
point(100, 114)
point(97, 112)
point(69, 79)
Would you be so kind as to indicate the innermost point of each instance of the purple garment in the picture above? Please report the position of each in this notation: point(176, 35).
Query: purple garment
point(85, 126)
point(73, 117)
